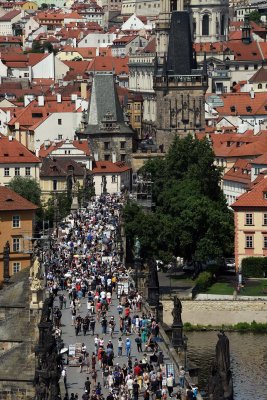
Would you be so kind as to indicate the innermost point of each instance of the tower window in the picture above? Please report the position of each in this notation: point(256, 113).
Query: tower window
point(205, 25)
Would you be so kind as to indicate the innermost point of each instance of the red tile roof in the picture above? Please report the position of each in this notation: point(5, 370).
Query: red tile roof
point(240, 172)
point(150, 47)
point(243, 51)
point(124, 39)
point(260, 76)
point(255, 197)
point(32, 114)
point(13, 152)
point(81, 145)
point(10, 200)
point(242, 103)
point(103, 167)
point(10, 15)
point(108, 63)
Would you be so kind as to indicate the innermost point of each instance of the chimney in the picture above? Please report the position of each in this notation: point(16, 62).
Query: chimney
point(252, 93)
point(246, 31)
point(40, 101)
point(84, 90)
point(27, 100)
point(58, 98)
point(113, 156)
point(10, 138)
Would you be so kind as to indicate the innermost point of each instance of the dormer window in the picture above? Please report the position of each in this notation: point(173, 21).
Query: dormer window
point(249, 109)
point(232, 108)
point(265, 195)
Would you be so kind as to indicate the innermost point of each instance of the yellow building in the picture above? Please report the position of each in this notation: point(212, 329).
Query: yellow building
point(251, 222)
point(135, 112)
point(17, 217)
point(59, 175)
point(29, 5)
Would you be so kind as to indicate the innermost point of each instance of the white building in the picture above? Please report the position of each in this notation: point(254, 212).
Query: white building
point(114, 177)
point(236, 180)
point(7, 21)
point(57, 126)
point(210, 20)
point(77, 150)
point(97, 40)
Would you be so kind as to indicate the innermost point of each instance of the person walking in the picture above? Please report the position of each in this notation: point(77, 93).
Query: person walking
point(120, 346)
point(128, 346)
point(138, 341)
point(170, 383)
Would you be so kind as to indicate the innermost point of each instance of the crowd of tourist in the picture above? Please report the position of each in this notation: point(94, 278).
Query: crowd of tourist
point(122, 360)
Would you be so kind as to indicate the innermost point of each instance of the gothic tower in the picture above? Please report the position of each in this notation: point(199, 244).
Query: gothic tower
point(179, 85)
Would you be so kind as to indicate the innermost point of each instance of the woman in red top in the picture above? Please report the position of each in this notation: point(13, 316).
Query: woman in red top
point(99, 355)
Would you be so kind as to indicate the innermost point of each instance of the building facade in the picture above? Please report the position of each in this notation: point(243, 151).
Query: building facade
point(17, 218)
point(251, 223)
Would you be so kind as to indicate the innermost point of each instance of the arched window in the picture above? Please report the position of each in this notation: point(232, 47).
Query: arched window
point(259, 86)
point(205, 25)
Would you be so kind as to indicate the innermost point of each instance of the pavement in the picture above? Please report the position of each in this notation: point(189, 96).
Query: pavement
point(75, 379)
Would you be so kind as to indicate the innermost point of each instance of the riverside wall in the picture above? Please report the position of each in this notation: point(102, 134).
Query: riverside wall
point(218, 312)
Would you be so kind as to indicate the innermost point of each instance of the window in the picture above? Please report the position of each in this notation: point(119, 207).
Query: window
point(107, 157)
point(6, 171)
point(16, 267)
point(257, 171)
point(16, 244)
point(246, 67)
point(15, 221)
point(59, 121)
point(123, 145)
point(113, 178)
point(17, 171)
point(137, 118)
point(249, 219)
point(259, 86)
point(255, 66)
point(106, 145)
point(205, 25)
point(249, 241)
point(54, 184)
point(27, 171)
point(59, 137)
point(264, 219)
point(123, 157)
point(265, 242)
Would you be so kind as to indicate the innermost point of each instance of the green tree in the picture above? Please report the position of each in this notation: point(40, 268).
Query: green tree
point(191, 217)
point(57, 207)
point(36, 47)
point(28, 188)
point(255, 16)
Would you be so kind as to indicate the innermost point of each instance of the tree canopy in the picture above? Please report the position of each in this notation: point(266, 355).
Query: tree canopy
point(191, 217)
point(27, 188)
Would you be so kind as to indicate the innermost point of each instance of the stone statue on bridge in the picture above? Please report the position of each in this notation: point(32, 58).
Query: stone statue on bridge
point(220, 381)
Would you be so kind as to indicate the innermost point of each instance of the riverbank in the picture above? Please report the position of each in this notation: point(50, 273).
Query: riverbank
point(216, 313)
point(255, 327)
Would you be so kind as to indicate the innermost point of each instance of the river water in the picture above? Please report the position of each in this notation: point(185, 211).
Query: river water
point(248, 361)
